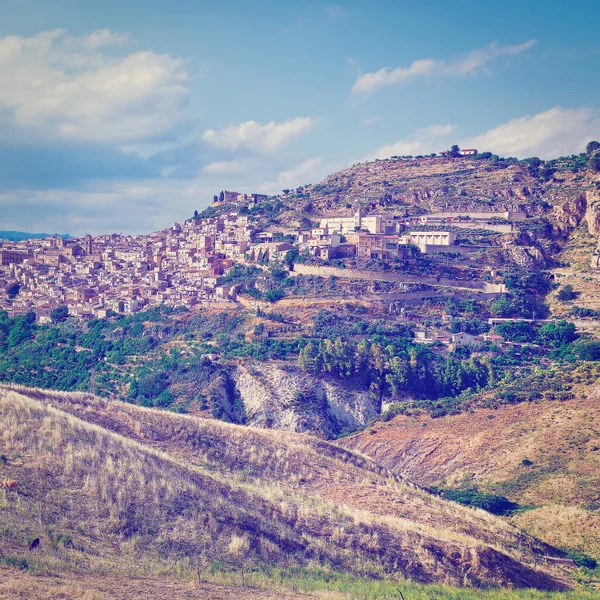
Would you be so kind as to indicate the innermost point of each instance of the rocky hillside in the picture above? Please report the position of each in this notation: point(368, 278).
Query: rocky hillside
point(558, 195)
point(111, 487)
point(281, 396)
point(445, 184)
point(543, 455)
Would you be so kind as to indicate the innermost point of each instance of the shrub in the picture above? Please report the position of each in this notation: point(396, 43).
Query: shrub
point(589, 350)
point(493, 503)
point(566, 293)
point(274, 295)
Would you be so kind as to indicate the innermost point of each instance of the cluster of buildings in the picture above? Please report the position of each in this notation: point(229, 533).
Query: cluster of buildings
point(187, 263)
point(388, 236)
point(179, 266)
point(381, 235)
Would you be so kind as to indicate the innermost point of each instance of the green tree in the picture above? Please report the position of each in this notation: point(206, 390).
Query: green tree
point(592, 148)
point(59, 314)
point(13, 290)
point(454, 150)
point(274, 295)
point(594, 163)
point(589, 350)
point(566, 293)
point(291, 256)
point(307, 357)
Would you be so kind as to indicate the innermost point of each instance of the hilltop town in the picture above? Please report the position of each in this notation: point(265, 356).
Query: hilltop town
point(464, 245)
point(185, 264)
point(402, 291)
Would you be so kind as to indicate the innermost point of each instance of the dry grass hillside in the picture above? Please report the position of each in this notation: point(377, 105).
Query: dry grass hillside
point(112, 488)
point(544, 455)
point(438, 184)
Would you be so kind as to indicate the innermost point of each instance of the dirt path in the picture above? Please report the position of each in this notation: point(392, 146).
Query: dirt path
point(17, 585)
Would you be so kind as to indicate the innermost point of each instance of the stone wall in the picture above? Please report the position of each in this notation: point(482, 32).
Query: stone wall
point(324, 271)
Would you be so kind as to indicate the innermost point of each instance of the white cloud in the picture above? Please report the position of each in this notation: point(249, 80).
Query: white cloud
point(257, 138)
point(470, 64)
point(130, 207)
point(55, 84)
point(105, 37)
point(423, 141)
point(228, 167)
point(555, 132)
point(312, 170)
point(368, 122)
point(335, 11)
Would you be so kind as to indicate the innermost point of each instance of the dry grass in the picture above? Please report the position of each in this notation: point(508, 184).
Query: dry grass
point(177, 493)
point(486, 448)
point(16, 585)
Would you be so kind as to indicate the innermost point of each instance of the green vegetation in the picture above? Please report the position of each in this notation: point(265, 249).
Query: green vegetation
point(566, 293)
point(493, 503)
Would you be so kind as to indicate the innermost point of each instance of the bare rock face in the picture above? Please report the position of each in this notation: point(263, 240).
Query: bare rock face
point(283, 397)
point(527, 257)
point(572, 212)
point(592, 214)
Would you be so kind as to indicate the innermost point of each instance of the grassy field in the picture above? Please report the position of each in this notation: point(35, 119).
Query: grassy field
point(19, 585)
point(114, 489)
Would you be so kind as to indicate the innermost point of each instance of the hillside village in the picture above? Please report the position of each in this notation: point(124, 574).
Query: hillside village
point(184, 265)
point(396, 253)
point(399, 291)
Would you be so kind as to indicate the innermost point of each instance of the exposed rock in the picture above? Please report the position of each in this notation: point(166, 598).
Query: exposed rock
point(288, 398)
point(530, 256)
point(572, 212)
point(592, 215)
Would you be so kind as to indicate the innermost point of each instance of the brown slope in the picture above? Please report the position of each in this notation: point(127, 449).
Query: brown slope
point(440, 184)
point(175, 488)
point(487, 447)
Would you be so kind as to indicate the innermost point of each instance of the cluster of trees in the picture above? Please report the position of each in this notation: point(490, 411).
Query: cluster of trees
point(66, 354)
point(566, 293)
point(396, 368)
point(551, 334)
point(527, 290)
point(493, 503)
point(593, 153)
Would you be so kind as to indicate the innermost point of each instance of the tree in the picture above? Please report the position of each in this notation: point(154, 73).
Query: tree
point(222, 196)
point(274, 295)
point(589, 350)
point(307, 356)
point(594, 163)
point(566, 293)
point(592, 148)
point(60, 314)
point(195, 214)
point(454, 151)
point(546, 173)
point(13, 290)
point(290, 257)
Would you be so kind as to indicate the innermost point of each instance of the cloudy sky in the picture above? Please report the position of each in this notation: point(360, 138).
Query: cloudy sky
point(126, 115)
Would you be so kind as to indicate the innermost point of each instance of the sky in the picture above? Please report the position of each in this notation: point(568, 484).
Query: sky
point(126, 116)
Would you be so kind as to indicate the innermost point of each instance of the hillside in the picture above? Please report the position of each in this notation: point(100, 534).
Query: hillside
point(110, 487)
point(541, 454)
point(561, 190)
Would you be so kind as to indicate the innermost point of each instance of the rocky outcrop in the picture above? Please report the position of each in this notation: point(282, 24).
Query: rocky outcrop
point(572, 212)
point(527, 257)
point(284, 397)
point(592, 214)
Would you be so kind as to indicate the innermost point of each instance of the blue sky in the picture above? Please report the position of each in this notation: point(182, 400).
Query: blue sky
point(127, 116)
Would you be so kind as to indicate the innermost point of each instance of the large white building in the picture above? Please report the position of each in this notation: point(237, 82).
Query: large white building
point(429, 242)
